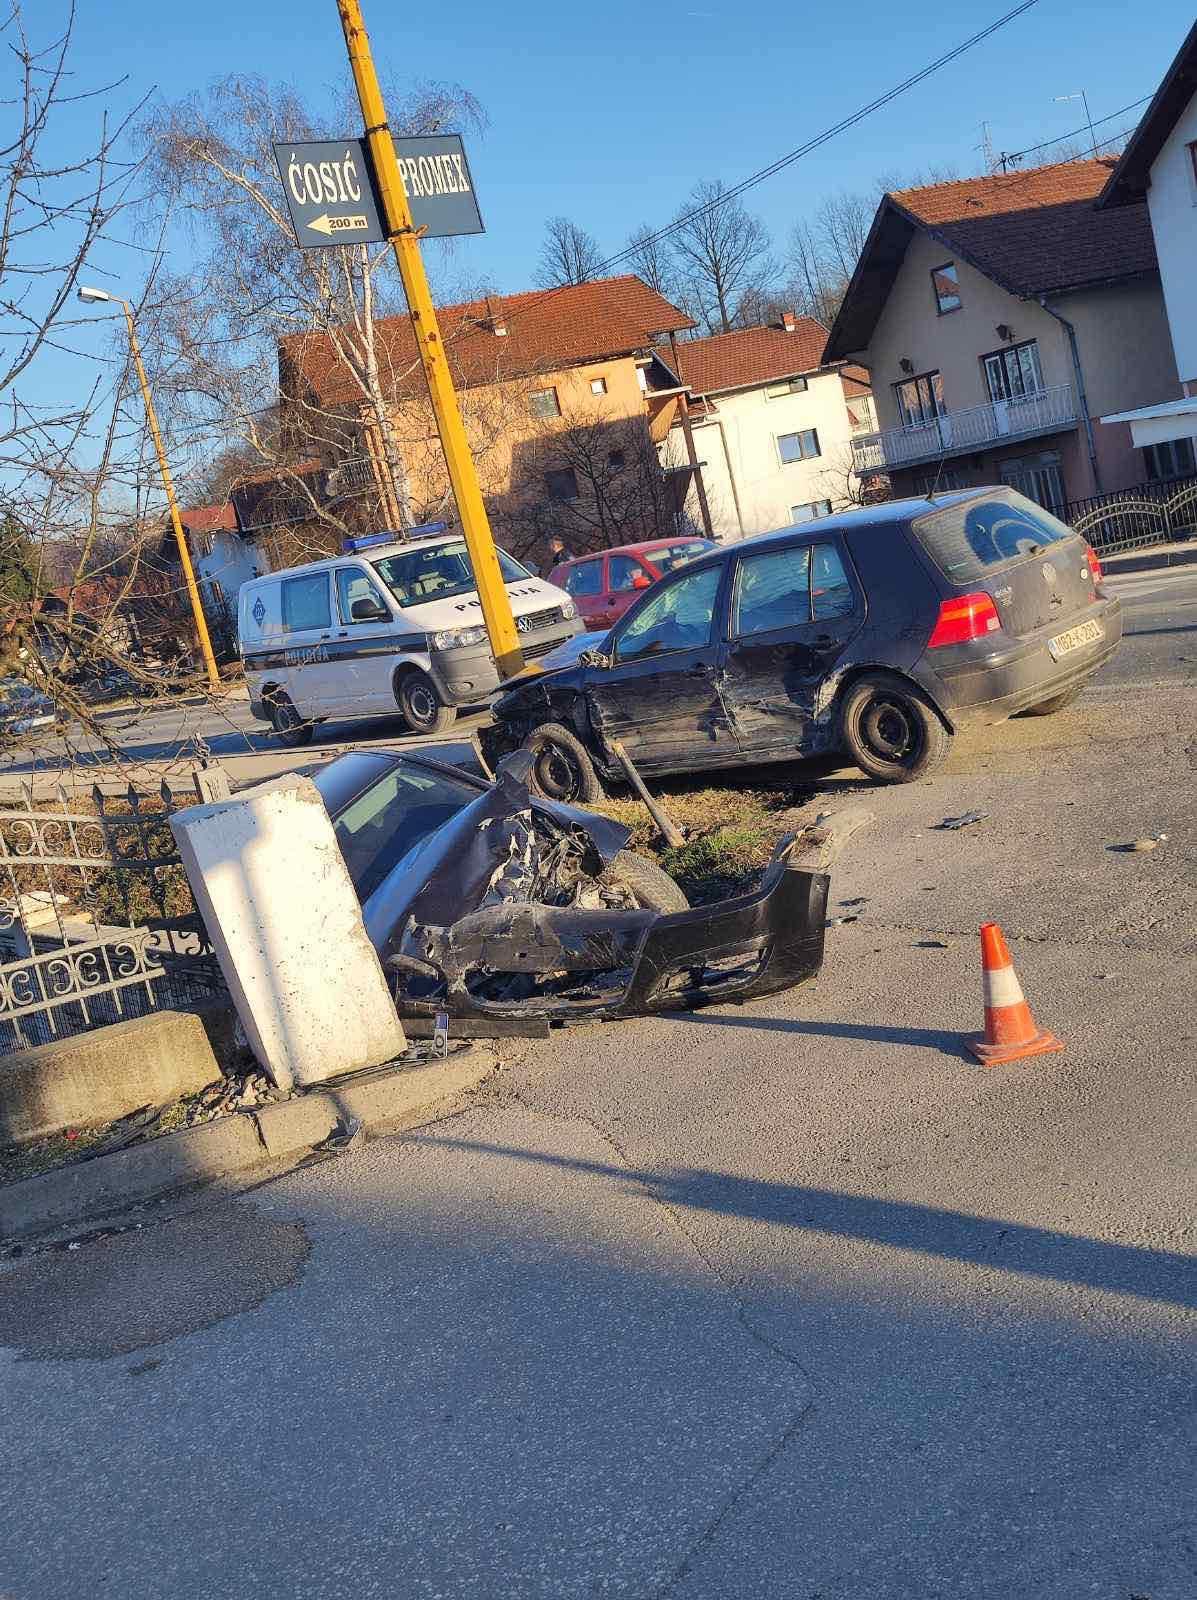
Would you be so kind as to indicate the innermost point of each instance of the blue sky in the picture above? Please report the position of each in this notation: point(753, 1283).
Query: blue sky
point(608, 113)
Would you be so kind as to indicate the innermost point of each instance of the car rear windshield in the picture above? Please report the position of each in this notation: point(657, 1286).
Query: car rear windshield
point(669, 556)
point(438, 572)
point(971, 538)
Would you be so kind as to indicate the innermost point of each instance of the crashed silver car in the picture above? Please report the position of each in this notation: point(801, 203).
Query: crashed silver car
point(483, 900)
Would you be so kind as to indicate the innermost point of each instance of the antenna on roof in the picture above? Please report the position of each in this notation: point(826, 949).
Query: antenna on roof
point(986, 149)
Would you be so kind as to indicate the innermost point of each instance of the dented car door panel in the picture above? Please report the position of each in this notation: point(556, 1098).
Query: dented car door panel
point(794, 614)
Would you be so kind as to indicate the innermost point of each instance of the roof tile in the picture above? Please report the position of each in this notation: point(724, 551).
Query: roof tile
point(751, 356)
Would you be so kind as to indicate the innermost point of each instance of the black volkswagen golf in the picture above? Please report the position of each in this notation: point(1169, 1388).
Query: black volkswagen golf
point(875, 632)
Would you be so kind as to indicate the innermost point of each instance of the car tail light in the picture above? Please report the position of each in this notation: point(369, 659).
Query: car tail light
point(1094, 563)
point(965, 616)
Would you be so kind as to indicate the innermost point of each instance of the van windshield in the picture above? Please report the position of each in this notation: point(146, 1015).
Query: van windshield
point(438, 572)
point(970, 538)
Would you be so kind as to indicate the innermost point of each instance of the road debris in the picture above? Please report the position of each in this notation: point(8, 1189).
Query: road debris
point(963, 821)
point(1139, 846)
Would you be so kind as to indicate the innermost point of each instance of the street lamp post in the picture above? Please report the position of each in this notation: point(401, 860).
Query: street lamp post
point(91, 297)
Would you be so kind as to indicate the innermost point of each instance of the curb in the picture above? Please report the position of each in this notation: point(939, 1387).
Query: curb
point(384, 1100)
point(1115, 566)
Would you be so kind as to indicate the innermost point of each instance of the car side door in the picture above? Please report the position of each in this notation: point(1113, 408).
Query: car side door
point(584, 585)
point(660, 694)
point(793, 612)
point(627, 578)
point(363, 646)
point(307, 640)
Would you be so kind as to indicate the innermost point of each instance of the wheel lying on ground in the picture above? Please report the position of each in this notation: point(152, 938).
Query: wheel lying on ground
point(287, 723)
point(420, 702)
point(1048, 708)
point(561, 766)
point(891, 730)
point(651, 885)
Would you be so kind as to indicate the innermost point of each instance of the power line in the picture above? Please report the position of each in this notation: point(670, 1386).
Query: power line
point(1032, 149)
point(819, 139)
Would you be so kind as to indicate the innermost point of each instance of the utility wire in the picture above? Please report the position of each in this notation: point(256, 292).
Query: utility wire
point(1032, 149)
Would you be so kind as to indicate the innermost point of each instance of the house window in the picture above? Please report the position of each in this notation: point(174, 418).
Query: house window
point(544, 403)
point(1173, 458)
point(1014, 372)
point(809, 510)
point(778, 391)
point(920, 399)
point(562, 484)
point(1192, 149)
point(802, 446)
point(1038, 477)
point(947, 288)
point(941, 482)
point(598, 385)
point(616, 459)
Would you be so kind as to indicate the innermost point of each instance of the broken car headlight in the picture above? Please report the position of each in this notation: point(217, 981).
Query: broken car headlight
point(458, 638)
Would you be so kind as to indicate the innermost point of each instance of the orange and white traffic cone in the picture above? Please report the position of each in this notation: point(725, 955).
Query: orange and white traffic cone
point(1010, 1031)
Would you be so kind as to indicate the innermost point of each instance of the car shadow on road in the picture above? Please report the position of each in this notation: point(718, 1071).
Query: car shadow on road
point(1165, 1276)
point(926, 1038)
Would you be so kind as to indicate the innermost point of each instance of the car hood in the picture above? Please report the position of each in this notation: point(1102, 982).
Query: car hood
point(560, 662)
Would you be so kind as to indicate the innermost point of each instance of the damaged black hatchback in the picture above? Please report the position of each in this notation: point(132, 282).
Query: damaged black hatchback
point(480, 899)
point(876, 632)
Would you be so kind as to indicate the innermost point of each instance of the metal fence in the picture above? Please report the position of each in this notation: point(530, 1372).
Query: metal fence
point(97, 921)
point(1128, 519)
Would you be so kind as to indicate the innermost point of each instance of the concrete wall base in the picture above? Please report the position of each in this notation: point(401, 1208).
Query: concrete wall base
point(98, 1076)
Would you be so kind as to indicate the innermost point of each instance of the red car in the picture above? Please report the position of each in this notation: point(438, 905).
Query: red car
point(603, 585)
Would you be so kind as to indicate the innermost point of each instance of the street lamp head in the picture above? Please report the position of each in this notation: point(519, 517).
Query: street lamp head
point(90, 296)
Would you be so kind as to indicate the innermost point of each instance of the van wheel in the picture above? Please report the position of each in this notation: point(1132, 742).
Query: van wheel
point(287, 723)
point(419, 700)
point(561, 767)
point(890, 730)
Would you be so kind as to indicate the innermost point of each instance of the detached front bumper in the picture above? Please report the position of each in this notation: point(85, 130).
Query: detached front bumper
point(584, 964)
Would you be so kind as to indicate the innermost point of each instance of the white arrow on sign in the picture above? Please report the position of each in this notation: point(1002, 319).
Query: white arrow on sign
point(330, 225)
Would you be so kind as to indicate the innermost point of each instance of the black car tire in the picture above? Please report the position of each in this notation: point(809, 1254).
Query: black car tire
point(891, 730)
point(561, 767)
point(651, 884)
point(287, 723)
point(1048, 708)
point(419, 700)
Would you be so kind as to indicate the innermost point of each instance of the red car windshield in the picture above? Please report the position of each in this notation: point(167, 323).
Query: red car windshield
point(669, 556)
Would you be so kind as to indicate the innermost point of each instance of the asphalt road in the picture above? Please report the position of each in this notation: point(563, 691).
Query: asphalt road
point(1160, 645)
point(791, 1300)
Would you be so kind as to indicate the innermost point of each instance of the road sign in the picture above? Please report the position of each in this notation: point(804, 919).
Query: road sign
point(329, 193)
point(436, 179)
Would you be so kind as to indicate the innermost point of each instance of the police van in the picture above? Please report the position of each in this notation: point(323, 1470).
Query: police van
point(390, 624)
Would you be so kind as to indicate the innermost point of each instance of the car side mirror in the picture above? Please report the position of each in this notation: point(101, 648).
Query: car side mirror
point(594, 658)
point(367, 610)
point(641, 581)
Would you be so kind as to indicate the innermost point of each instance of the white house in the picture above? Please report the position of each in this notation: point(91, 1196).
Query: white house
point(772, 425)
point(1160, 164)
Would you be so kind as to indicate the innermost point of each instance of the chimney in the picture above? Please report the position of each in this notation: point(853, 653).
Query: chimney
point(495, 317)
point(789, 321)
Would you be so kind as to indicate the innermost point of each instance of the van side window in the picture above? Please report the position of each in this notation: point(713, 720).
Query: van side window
point(306, 602)
point(353, 584)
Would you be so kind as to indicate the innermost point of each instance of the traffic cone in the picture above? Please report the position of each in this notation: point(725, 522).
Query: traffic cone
point(1010, 1031)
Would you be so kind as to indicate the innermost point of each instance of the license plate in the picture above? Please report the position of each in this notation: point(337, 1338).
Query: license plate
point(1074, 638)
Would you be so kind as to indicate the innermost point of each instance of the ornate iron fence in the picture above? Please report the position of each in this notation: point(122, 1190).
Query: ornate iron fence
point(97, 920)
point(1129, 519)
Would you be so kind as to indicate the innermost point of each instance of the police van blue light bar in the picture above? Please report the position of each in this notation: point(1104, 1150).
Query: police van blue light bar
point(366, 541)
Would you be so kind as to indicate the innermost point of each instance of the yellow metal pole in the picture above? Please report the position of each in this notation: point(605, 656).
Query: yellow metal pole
point(201, 622)
point(496, 604)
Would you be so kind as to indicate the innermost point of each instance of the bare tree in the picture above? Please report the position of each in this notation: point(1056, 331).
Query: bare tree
point(649, 257)
point(722, 253)
point(568, 255)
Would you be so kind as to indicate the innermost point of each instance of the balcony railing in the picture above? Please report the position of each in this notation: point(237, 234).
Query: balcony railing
point(963, 432)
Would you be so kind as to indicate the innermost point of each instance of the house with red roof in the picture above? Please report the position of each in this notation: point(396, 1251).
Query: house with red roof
point(1000, 318)
point(528, 368)
point(772, 425)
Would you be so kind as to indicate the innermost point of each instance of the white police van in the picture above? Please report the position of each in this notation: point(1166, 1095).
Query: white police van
point(391, 624)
